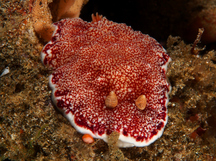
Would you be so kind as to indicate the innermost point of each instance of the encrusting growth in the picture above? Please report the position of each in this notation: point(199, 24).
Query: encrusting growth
point(195, 50)
point(42, 18)
point(111, 100)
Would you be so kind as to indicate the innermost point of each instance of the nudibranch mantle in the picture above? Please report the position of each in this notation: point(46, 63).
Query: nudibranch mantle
point(94, 60)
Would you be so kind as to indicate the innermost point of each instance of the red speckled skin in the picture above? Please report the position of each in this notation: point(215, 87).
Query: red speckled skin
point(92, 59)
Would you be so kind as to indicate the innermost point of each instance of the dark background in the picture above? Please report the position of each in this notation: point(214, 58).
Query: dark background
point(157, 18)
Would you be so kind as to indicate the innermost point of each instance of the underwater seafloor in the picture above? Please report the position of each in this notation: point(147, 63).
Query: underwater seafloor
point(31, 129)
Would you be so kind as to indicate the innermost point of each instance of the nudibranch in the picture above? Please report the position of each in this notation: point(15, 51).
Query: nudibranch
point(108, 77)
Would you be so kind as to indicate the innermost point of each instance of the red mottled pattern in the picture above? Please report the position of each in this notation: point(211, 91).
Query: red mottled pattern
point(92, 59)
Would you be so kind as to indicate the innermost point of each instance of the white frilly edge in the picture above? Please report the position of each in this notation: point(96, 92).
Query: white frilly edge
point(50, 42)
